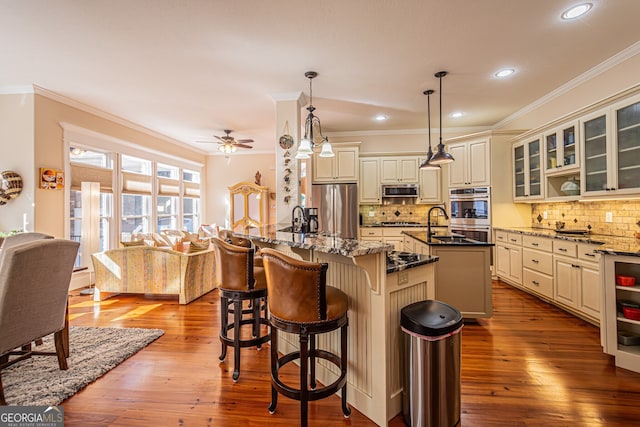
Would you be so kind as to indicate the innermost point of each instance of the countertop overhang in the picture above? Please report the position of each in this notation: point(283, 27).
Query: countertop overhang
point(317, 242)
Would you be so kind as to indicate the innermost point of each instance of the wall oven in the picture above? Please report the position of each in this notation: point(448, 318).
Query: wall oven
point(470, 212)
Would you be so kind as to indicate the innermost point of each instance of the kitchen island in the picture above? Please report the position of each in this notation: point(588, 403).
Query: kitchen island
point(379, 283)
point(463, 274)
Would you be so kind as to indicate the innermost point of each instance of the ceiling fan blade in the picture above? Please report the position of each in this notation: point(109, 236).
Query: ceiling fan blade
point(243, 146)
point(221, 138)
point(244, 141)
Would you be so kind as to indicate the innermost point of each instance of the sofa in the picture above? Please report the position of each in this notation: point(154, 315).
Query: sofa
point(154, 270)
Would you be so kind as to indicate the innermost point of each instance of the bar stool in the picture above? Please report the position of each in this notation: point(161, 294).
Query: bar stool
point(300, 302)
point(240, 281)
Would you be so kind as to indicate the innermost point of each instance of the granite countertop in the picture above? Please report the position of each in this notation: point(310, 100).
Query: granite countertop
point(398, 261)
point(317, 242)
point(611, 245)
point(399, 224)
point(422, 237)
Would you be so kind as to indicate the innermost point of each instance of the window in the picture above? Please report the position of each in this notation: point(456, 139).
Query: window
point(91, 158)
point(167, 210)
point(191, 176)
point(134, 164)
point(136, 215)
point(191, 214)
point(75, 219)
point(166, 171)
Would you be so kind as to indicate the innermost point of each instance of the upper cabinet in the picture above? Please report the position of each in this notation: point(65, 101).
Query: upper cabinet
point(343, 167)
point(612, 150)
point(369, 188)
point(471, 165)
point(527, 172)
point(430, 186)
point(562, 149)
point(394, 170)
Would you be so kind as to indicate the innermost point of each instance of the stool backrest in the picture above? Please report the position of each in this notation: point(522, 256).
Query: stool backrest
point(228, 237)
point(234, 265)
point(297, 289)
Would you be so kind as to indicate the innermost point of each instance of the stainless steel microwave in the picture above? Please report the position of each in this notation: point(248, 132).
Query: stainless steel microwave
point(400, 190)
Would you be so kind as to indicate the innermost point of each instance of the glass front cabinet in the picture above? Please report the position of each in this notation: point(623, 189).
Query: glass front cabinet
point(612, 150)
point(527, 161)
point(562, 149)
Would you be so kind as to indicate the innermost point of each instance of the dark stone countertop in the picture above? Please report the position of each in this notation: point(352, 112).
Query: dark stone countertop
point(316, 242)
point(398, 261)
point(610, 245)
point(422, 237)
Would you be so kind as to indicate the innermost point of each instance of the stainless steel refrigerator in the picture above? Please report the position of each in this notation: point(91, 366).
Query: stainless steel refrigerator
point(337, 209)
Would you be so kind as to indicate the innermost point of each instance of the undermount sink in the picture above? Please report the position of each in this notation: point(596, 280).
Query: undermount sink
point(451, 239)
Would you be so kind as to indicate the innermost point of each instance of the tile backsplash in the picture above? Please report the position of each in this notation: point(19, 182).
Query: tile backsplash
point(418, 213)
point(625, 215)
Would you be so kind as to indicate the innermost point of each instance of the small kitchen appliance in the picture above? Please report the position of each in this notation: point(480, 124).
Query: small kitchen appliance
point(312, 220)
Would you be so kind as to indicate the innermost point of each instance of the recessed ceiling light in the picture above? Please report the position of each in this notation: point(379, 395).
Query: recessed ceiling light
point(457, 114)
point(381, 118)
point(576, 11)
point(505, 72)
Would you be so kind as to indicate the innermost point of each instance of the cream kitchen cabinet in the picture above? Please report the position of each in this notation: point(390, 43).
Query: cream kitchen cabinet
point(577, 284)
point(343, 167)
point(562, 149)
point(394, 170)
point(537, 262)
point(611, 164)
point(509, 257)
point(369, 184)
point(430, 186)
point(471, 167)
point(527, 170)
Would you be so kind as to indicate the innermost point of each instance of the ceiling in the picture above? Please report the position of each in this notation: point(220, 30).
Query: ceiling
point(189, 69)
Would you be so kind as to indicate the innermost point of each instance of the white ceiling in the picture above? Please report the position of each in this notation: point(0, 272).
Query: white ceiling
point(190, 68)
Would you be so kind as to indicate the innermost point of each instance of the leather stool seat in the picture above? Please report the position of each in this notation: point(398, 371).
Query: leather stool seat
point(240, 281)
point(301, 303)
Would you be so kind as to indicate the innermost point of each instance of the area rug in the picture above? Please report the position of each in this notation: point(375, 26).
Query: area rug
point(93, 352)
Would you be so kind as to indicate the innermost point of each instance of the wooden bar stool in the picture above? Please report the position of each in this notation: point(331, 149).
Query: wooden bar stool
point(300, 302)
point(239, 281)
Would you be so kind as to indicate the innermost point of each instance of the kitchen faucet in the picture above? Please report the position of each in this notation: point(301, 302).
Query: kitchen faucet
point(298, 223)
point(440, 208)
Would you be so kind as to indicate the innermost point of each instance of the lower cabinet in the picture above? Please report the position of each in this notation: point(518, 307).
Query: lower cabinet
point(509, 257)
point(563, 272)
point(392, 235)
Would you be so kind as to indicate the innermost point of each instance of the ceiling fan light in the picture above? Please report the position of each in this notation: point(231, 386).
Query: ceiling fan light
point(327, 150)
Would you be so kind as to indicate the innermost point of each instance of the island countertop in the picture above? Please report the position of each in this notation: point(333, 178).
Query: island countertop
point(317, 242)
point(398, 261)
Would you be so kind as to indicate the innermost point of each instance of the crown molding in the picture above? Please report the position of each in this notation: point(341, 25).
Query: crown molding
point(421, 131)
point(111, 117)
point(606, 65)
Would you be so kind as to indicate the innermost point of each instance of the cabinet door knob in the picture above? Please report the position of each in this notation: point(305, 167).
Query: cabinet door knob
point(535, 261)
point(562, 249)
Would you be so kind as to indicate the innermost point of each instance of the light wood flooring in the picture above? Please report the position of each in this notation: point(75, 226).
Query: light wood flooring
point(531, 364)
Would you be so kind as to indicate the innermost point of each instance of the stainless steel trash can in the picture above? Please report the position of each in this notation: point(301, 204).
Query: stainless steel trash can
point(431, 368)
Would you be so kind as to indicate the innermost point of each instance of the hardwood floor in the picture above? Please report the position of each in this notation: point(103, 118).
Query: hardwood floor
point(530, 364)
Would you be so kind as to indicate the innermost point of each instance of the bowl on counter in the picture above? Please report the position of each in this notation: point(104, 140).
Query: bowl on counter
point(622, 280)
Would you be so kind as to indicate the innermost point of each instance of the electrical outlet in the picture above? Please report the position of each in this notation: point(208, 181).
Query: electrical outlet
point(608, 217)
point(545, 215)
point(372, 213)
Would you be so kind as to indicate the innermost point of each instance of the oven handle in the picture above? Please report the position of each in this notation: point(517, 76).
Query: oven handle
point(468, 197)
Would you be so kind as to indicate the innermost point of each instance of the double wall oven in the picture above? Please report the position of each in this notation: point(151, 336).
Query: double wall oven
point(470, 212)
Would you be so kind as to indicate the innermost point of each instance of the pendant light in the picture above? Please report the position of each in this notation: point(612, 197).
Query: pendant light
point(307, 143)
point(441, 157)
point(427, 165)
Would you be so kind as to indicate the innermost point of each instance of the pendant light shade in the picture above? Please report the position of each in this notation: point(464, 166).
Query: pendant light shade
point(426, 165)
point(441, 157)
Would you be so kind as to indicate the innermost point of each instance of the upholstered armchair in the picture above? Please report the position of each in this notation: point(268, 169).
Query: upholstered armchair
point(16, 239)
point(34, 286)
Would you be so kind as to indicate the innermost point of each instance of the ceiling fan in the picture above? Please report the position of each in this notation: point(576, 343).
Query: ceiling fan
point(228, 144)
